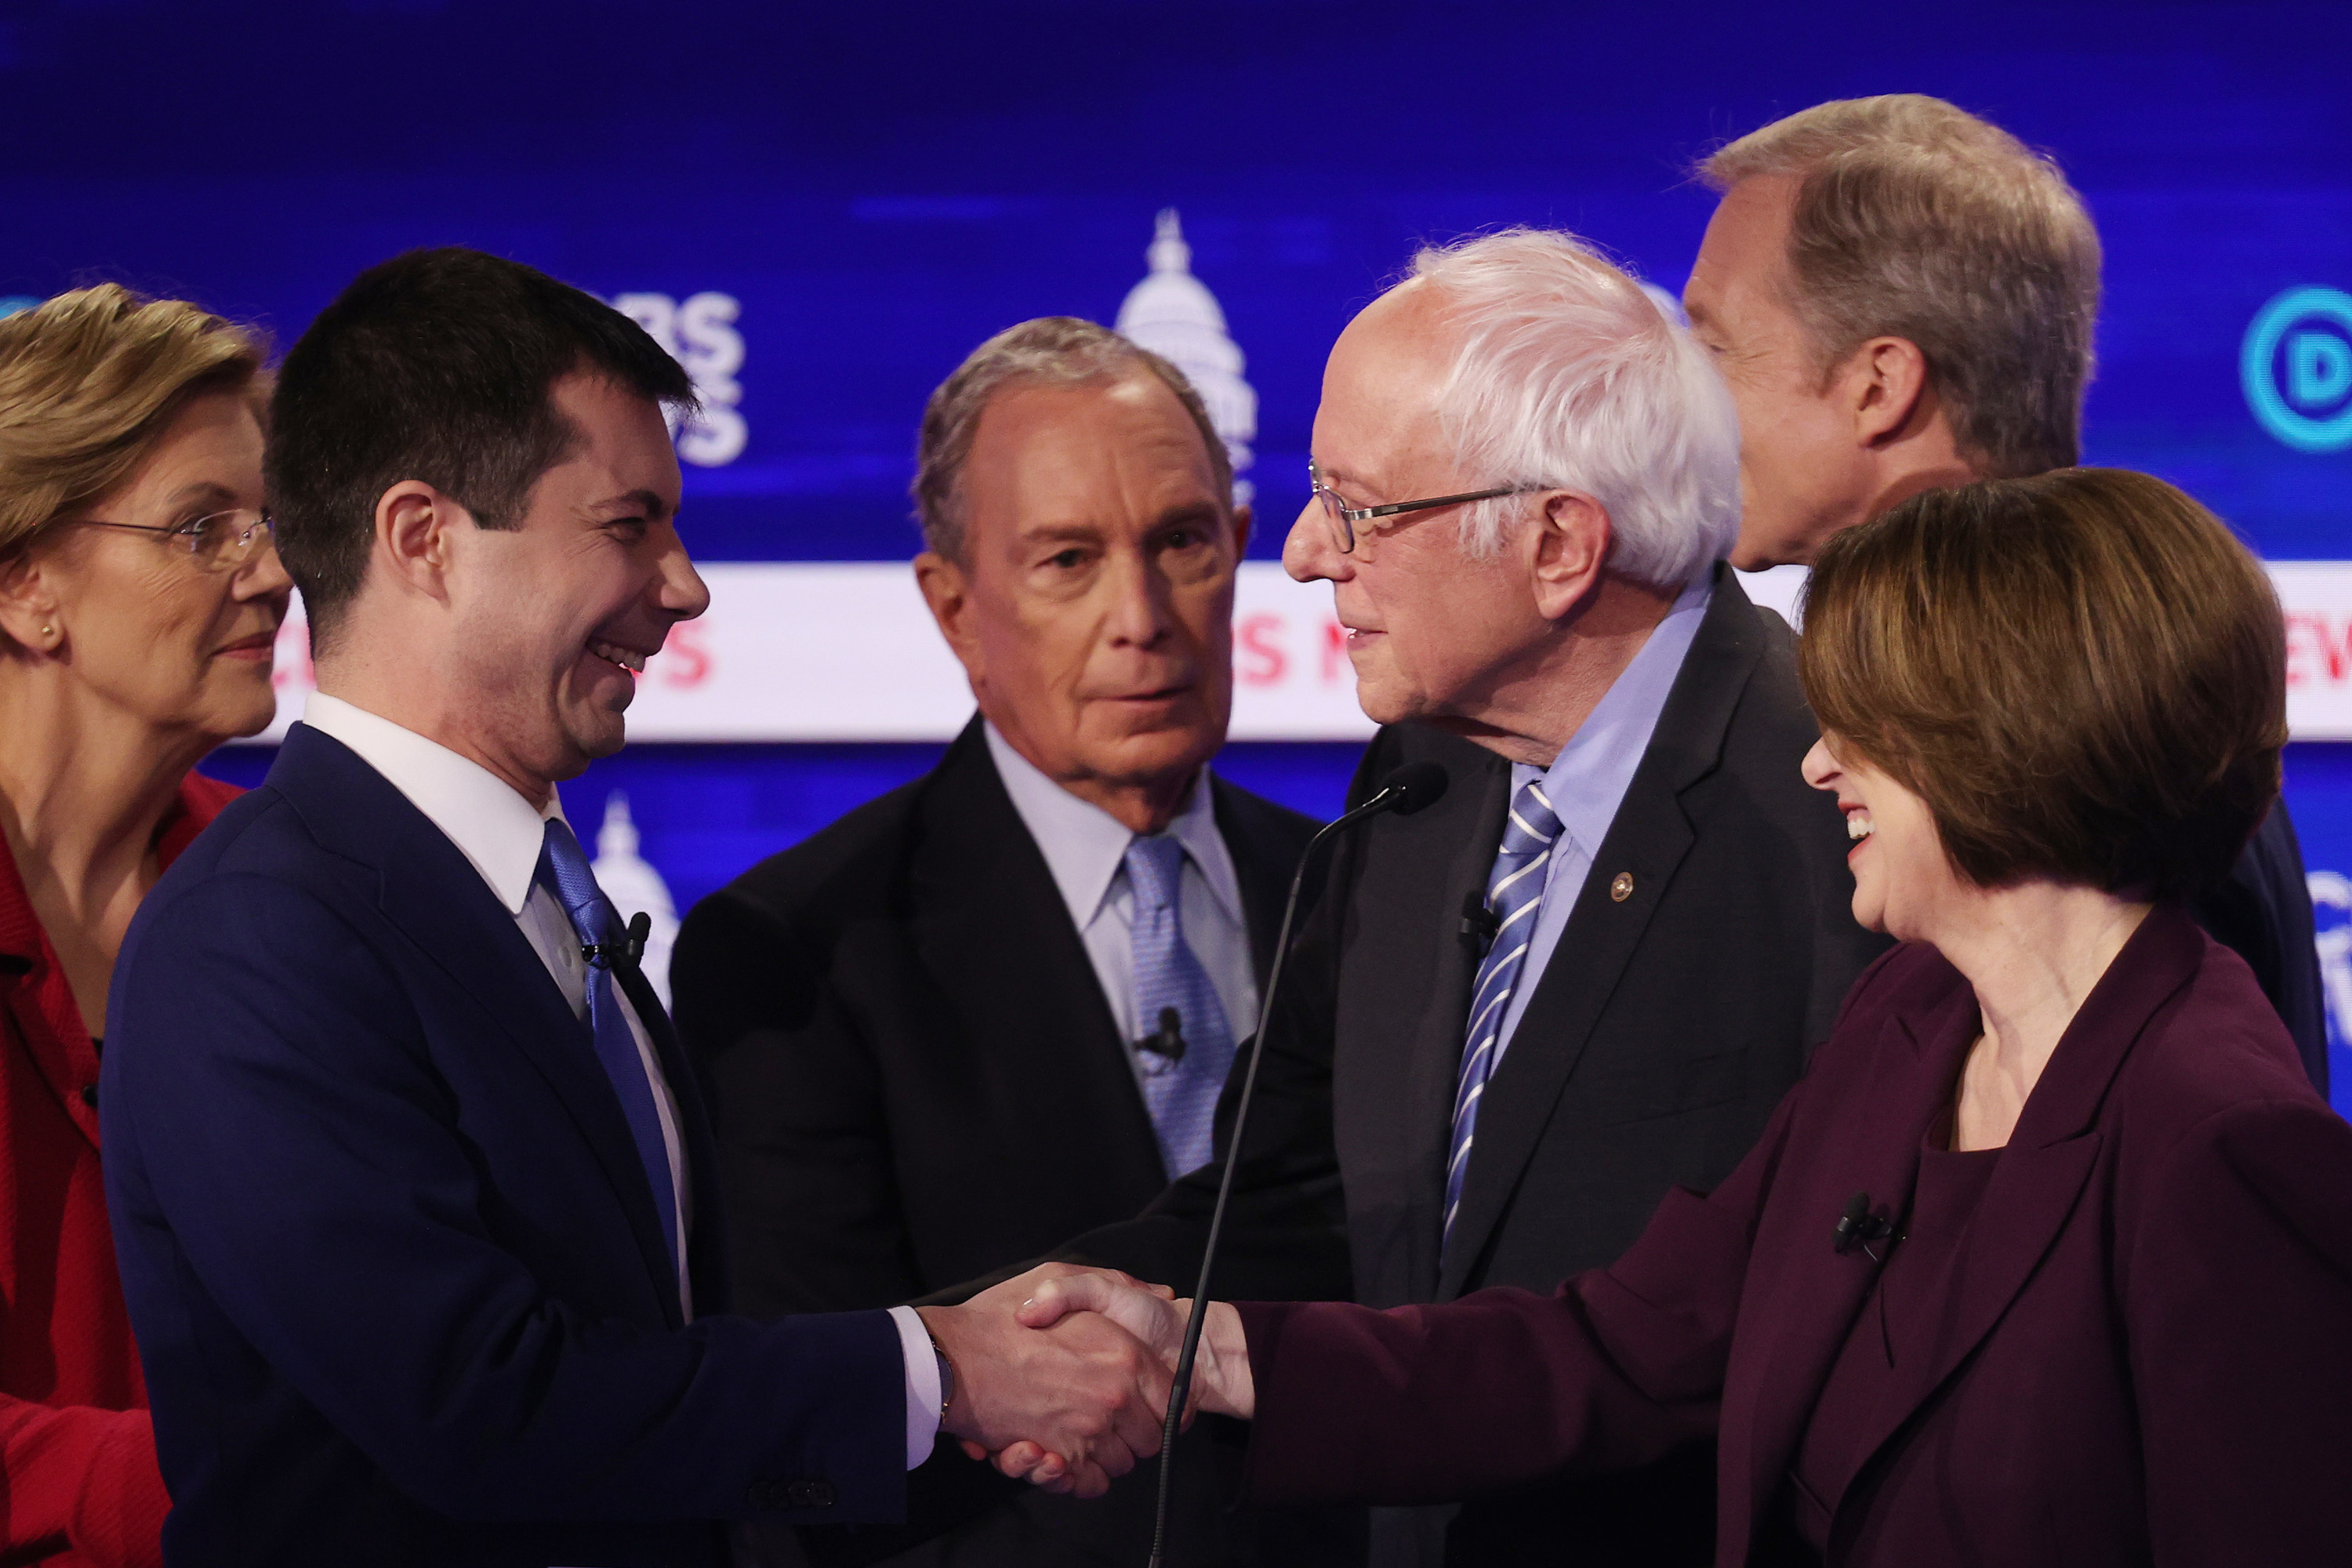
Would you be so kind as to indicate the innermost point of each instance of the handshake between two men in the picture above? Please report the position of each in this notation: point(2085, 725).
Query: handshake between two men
point(1061, 1376)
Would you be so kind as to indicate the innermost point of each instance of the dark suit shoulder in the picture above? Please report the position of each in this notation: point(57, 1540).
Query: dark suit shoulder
point(2215, 1047)
point(257, 818)
point(1265, 825)
point(1772, 704)
point(262, 833)
point(1908, 980)
point(847, 869)
point(2262, 910)
point(1395, 745)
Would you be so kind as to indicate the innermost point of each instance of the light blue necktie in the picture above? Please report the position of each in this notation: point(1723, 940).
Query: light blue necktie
point(1180, 1092)
point(1515, 890)
point(564, 870)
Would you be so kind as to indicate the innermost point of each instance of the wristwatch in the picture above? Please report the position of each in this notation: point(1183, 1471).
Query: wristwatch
point(947, 1373)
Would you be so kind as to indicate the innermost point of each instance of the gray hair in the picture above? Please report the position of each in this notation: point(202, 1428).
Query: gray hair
point(1916, 219)
point(1567, 375)
point(1051, 351)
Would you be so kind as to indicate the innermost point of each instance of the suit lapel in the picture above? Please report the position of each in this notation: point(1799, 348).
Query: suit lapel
point(991, 928)
point(1457, 969)
point(1388, 945)
point(1648, 838)
point(2044, 1168)
point(434, 895)
point(1804, 1296)
point(1263, 872)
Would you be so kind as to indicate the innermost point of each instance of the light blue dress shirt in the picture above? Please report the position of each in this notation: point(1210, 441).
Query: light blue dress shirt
point(1085, 850)
point(1587, 781)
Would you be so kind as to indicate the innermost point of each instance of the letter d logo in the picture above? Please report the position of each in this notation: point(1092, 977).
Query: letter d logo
point(2296, 366)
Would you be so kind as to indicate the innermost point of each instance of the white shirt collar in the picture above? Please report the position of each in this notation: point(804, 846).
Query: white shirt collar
point(480, 812)
point(1084, 845)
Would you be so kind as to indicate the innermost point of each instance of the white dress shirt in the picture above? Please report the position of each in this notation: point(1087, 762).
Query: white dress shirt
point(1085, 850)
point(501, 833)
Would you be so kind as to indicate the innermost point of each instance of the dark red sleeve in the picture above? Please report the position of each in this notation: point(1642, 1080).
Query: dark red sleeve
point(1432, 1403)
point(2238, 1301)
point(81, 1478)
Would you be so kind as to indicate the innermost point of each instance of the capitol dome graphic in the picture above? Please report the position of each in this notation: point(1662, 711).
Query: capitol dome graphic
point(632, 885)
point(1173, 314)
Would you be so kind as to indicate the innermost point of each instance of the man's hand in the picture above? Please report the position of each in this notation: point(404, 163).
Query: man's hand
point(1081, 1390)
point(1222, 1383)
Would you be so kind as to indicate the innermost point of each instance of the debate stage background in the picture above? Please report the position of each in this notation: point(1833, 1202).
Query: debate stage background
point(868, 190)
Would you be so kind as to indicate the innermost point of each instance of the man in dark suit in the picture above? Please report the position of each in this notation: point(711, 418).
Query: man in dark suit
point(1526, 479)
point(895, 1017)
point(2089, 1307)
point(415, 1205)
point(1902, 297)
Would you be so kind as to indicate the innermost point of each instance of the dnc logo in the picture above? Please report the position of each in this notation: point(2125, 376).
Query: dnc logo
point(2297, 368)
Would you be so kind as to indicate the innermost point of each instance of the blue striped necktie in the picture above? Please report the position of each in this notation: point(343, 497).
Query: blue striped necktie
point(1513, 892)
point(564, 870)
point(1181, 1093)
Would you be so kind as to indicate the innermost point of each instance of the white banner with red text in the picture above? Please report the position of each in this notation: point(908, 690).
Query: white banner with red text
point(846, 651)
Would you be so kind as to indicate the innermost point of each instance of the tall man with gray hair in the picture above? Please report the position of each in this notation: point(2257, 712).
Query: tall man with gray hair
point(1589, 970)
point(1901, 296)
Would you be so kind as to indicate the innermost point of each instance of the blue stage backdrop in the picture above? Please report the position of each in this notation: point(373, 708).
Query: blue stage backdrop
point(822, 208)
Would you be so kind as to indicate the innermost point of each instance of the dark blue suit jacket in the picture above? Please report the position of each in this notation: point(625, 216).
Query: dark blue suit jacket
point(394, 1266)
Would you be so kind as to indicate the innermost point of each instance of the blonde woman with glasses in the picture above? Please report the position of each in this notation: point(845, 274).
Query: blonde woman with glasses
point(140, 599)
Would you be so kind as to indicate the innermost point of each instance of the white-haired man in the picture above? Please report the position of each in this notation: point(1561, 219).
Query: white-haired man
point(1590, 970)
point(1901, 297)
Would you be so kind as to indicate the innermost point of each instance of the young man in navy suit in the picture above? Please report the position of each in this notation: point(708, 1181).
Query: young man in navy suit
point(416, 1207)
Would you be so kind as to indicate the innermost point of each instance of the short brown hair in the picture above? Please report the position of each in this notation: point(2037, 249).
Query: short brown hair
point(1916, 219)
point(2082, 674)
point(1057, 350)
point(88, 381)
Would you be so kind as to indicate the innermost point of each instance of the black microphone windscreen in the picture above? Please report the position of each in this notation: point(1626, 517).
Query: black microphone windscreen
point(1414, 786)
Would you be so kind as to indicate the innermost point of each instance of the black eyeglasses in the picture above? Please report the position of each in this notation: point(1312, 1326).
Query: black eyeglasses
point(1343, 517)
point(219, 541)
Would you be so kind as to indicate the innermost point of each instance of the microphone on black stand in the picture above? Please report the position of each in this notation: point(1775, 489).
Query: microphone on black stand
point(1404, 791)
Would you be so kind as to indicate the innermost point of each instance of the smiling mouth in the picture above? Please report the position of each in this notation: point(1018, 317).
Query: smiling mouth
point(628, 658)
point(258, 643)
point(1857, 825)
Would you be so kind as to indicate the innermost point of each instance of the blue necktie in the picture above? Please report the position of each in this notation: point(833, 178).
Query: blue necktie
point(563, 871)
point(1515, 890)
point(1180, 1092)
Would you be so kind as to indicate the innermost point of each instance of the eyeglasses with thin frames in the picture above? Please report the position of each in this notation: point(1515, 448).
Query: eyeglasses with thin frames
point(1343, 517)
point(219, 541)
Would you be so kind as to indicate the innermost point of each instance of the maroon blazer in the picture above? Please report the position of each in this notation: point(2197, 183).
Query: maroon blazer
point(2145, 1357)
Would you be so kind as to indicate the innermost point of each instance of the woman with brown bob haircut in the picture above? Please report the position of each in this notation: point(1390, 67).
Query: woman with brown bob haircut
point(140, 601)
point(2049, 1258)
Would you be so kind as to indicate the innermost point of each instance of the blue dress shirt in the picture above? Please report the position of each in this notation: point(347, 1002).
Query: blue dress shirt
point(1587, 781)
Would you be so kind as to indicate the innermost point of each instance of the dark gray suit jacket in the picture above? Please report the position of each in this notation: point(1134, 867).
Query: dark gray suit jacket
point(1661, 1035)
